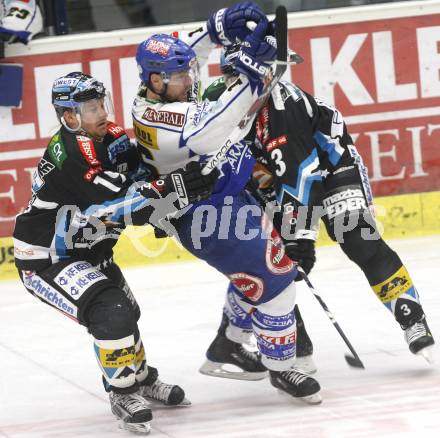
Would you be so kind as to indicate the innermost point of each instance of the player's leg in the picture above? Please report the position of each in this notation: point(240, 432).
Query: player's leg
point(86, 294)
point(348, 197)
point(304, 346)
point(263, 275)
point(147, 377)
point(230, 354)
point(233, 344)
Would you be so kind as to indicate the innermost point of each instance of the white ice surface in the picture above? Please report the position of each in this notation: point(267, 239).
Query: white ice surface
point(50, 384)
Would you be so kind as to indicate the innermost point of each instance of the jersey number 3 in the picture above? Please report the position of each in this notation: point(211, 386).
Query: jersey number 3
point(277, 157)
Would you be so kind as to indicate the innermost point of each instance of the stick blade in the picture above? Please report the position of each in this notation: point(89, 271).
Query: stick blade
point(354, 362)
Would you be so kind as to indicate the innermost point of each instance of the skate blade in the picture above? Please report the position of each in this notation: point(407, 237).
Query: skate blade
point(426, 353)
point(138, 428)
point(216, 369)
point(306, 364)
point(314, 399)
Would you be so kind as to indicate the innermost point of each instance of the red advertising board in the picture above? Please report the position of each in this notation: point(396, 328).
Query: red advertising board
point(383, 75)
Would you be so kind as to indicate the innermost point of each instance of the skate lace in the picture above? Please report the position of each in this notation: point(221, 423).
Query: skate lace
point(294, 377)
point(159, 391)
point(416, 331)
point(248, 354)
point(132, 403)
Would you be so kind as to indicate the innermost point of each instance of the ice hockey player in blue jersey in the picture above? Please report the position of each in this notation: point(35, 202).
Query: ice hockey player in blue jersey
point(228, 231)
point(82, 199)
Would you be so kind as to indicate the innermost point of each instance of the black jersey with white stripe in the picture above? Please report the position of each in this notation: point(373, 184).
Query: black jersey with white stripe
point(82, 198)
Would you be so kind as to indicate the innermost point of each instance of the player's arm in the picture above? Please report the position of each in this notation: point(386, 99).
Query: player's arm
point(111, 195)
point(224, 27)
point(329, 132)
point(344, 173)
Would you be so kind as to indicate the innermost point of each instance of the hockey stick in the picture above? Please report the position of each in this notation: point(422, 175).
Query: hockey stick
point(354, 360)
point(270, 82)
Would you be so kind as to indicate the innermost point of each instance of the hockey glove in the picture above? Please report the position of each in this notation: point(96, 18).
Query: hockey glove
point(255, 51)
point(228, 26)
point(303, 252)
point(188, 185)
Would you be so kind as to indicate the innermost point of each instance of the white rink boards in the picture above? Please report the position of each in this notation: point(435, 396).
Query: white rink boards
point(50, 384)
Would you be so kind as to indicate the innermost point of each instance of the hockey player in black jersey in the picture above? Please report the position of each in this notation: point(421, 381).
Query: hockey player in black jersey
point(309, 160)
point(83, 196)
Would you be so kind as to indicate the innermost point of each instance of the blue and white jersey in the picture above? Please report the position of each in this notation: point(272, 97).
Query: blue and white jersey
point(235, 171)
point(170, 135)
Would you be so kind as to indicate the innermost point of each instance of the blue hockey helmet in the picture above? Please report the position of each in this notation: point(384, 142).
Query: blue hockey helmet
point(163, 54)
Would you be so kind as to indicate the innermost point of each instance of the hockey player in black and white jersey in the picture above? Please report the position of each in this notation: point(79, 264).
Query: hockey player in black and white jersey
point(308, 159)
point(82, 199)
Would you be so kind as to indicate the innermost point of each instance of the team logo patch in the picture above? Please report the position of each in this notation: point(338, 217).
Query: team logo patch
point(160, 47)
point(276, 143)
point(394, 286)
point(115, 130)
point(279, 340)
point(276, 259)
point(351, 199)
point(56, 151)
point(76, 278)
point(145, 135)
point(117, 358)
point(88, 150)
point(250, 286)
point(46, 292)
point(165, 117)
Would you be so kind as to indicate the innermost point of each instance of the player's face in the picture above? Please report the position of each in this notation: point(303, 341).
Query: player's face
point(179, 86)
point(94, 115)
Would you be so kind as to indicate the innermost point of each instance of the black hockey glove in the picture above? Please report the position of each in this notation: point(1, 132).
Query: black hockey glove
point(188, 184)
point(303, 252)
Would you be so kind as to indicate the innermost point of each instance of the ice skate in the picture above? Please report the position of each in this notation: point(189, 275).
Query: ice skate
point(297, 384)
point(223, 352)
point(304, 346)
point(420, 340)
point(158, 392)
point(132, 412)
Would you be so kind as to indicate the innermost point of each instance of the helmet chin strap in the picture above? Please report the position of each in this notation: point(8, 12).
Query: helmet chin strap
point(72, 130)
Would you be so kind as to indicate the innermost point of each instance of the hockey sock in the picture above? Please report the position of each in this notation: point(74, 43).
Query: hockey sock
point(387, 276)
point(275, 329)
point(141, 362)
point(117, 360)
point(400, 296)
point(236, 322)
